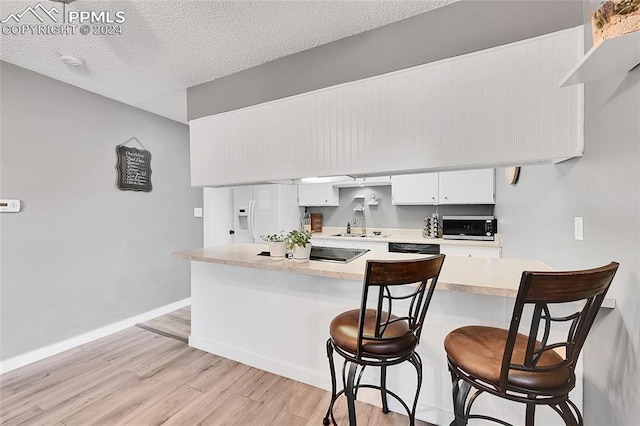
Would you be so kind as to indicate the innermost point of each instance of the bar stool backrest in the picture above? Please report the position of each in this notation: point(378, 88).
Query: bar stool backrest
point(384, 276)
point(539, 294)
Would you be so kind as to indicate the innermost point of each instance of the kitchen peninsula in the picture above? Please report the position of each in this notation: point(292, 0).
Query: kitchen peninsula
point(275, 315)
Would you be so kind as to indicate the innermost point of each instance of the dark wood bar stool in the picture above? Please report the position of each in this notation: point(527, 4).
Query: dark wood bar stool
point(385, 330)
point(529, 367)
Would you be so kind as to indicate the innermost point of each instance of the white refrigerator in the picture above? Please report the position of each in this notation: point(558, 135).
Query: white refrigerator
point(264, 209)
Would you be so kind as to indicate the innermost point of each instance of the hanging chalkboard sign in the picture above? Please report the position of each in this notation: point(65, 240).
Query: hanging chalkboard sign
point(134, 168)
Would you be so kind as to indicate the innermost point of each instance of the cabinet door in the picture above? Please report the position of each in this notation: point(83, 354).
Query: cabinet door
point(371, 245)
point(470, 251)
point(414, 189)
point(318, 194)
point(354, 242)
point(333, 242)
point(467, 187)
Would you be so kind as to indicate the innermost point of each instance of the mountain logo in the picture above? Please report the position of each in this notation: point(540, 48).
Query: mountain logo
point(39, 11)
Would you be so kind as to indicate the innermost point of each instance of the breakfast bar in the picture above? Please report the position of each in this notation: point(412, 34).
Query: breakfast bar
point(274, 315)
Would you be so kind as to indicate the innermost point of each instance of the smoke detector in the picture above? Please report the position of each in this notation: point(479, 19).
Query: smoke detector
point(72, 60)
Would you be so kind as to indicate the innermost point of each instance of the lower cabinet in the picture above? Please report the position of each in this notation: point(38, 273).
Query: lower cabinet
point(471, 251)
point(449, 250)
point(342, 243)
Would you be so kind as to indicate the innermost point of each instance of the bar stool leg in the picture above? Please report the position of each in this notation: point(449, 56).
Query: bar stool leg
point(349, 392)
point(461, 391)
point(383, 388)
point(417, 363)
point(530, 415)
point(567, 415)
point(332, 368)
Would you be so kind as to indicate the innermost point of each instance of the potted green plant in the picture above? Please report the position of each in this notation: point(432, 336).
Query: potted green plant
point(300, 245)
point(277, 245)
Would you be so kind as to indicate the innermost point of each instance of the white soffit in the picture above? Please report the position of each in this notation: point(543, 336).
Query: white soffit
point(167, 46)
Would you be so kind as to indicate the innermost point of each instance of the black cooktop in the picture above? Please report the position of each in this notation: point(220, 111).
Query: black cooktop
point(336, 254)
point(331, 254)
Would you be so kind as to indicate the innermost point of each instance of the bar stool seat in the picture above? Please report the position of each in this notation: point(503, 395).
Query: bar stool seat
point(479, 350)
point(397, 337)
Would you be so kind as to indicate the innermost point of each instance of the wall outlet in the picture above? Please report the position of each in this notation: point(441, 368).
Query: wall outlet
point(578, 225)
point(197, 212)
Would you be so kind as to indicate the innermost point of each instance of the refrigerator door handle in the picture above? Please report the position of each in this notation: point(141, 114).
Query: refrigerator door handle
point(249, 218)
point(252, 220)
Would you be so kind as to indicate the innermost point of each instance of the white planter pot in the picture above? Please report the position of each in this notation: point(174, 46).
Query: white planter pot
point(301, 254)
point(277, 250)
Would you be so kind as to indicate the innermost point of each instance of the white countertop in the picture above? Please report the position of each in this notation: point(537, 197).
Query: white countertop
point(498, 277)
point(389, 235)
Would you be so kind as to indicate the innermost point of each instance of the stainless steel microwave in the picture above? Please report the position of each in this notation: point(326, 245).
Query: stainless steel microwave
point(481, 228)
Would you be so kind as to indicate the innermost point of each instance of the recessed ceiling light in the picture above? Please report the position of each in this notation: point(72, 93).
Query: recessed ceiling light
point(72, 60)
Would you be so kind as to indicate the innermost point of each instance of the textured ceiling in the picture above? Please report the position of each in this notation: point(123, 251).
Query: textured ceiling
point(167, 46)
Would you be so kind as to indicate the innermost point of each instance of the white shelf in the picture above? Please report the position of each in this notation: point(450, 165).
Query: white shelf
point(613, 56)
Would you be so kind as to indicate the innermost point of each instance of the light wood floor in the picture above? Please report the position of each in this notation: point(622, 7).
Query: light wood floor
point(137, 377)
point(176, 324)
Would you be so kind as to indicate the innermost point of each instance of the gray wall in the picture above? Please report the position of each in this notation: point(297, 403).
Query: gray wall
point(536, 219)
point(456, 29)
point(82, 254)
point(385, 214)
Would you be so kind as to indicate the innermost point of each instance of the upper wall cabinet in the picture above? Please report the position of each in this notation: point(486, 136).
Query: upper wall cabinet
point(459, 187)
point(414, 189)
point(318, 194)
point(467, 187)
point(500, 106)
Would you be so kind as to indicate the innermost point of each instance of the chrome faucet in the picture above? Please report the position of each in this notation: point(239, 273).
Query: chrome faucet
point(359, 220)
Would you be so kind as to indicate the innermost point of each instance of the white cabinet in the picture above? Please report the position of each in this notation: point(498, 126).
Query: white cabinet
point(459, 187)
point(471, 251)
point(318, 194)
point(371, 245)
point(426, 118)
point(414, 189)
point(353, 242)
point(467, 187)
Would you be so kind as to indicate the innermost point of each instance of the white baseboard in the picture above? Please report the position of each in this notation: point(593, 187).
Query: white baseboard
point(263, 363)
point(56, 348)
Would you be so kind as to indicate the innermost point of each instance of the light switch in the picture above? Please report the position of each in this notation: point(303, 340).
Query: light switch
point(9, 206)
point(578, 225)
point(197, 212)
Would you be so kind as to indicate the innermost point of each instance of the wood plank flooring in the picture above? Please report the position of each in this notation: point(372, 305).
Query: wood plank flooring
point(176, 324)
point(136, 377)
